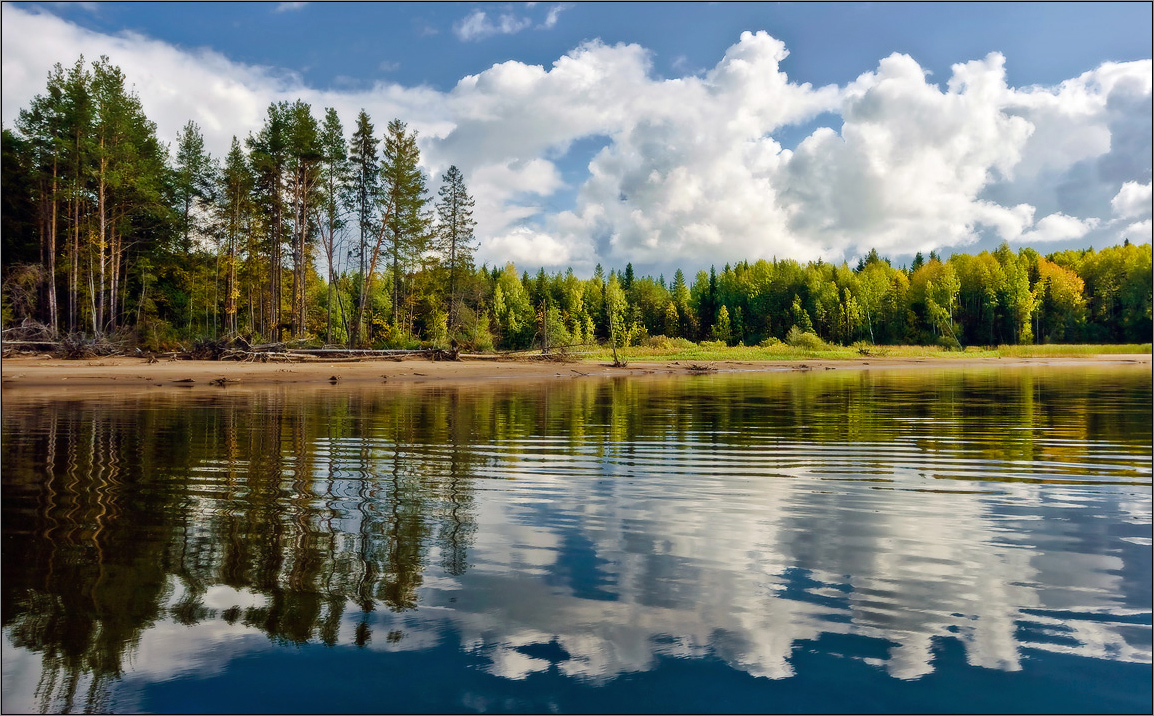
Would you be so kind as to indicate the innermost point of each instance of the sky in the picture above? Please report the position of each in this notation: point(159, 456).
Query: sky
point(678, 135)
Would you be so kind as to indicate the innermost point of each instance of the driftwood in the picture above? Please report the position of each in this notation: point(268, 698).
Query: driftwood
point(33, 337)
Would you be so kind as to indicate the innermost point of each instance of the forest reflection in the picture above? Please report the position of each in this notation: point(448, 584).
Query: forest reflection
point(123, 512)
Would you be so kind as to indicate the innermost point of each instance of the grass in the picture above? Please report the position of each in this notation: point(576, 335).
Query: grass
point(785, 352)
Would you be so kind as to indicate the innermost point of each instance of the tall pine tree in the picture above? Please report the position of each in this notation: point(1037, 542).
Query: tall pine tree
point(335, 174)
point(455, 233)
point(405, 220)
point(364, 194)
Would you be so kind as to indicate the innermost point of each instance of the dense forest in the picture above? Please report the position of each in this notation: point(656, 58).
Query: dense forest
point(304, 231)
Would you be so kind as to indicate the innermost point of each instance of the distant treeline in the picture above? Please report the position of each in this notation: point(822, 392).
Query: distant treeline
point(302, 231)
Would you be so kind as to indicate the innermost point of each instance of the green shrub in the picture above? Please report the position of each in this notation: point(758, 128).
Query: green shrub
point(949, 343)
point(806, 340)
point(666, 343)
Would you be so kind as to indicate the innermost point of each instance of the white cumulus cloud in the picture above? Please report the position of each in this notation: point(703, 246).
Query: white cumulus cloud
point(526, 247)
point(1058, 227)
point(1132, 200)
point(691, 171)
point(1139, 232)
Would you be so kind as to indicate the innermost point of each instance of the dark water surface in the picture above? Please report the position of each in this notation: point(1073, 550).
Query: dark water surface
point(957, 540)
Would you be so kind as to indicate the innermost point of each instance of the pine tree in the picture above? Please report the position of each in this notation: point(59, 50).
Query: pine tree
point(455, 232)
point(194, 176)
point(268, 152)
point(364, 194)
point(44, 124)
point(335, 174)
point(234, 207)
point(78, 120)
point(304, 170)
point(405, 221)
point(722, 329)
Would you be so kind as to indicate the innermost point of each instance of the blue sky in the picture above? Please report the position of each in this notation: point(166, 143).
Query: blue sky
point(331, 43)
point(660, 134)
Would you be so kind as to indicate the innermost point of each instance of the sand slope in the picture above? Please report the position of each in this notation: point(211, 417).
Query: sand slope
point(41, 373)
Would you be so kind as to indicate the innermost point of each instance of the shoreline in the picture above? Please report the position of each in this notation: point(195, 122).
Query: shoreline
point(47, 376)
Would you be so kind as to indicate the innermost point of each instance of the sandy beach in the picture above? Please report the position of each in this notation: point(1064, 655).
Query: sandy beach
point(25, 374)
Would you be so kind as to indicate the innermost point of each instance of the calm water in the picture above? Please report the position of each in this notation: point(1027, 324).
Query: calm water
point(939, 540)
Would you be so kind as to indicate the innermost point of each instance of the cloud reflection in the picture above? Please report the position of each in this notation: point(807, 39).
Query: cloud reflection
point(593, 529)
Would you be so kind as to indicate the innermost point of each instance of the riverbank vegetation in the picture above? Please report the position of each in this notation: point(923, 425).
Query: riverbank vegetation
point(306, 231)
point(661, 350)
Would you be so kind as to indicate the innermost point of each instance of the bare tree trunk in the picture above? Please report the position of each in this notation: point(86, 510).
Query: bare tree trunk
point(275, 269)
point(329, 242)
point(230, 270)
point(92, 294)
point(450, 321)
point(216, 295)
point(366, 278)
point(53, 319)
point(114, 280)
point(74, 278)
point(98, 318)
point(296, 198)
point(302, 254)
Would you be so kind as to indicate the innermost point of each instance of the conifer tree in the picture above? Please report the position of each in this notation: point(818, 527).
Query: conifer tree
point(304, 166)
point(405, 220)
point(268, 152)
point(335, 174)
point(455, 232)
point(194, 177)
point(364, 194)
point(235, 207)
point(44, 125)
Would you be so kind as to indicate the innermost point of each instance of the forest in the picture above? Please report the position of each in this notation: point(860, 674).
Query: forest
point(307, 232)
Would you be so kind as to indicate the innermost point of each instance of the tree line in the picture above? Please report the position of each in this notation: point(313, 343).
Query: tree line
point(304, 231)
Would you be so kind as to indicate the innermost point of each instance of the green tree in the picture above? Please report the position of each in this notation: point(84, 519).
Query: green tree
point(44, 126)
point(269, 155)
point(364, 195)
point(334, 177)
point(615, 307)
point(511, 309)
point(722, 329)
point(305, 157)
point(686, 320)
point(193, 185)
point(1015, 299)
point(455, 233)
point(1060, 306)
point(194, 178)
point(405, 220)
point(234, 207)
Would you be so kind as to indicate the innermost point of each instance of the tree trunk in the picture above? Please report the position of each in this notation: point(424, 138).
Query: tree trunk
point(51, 251)
point(98, 318)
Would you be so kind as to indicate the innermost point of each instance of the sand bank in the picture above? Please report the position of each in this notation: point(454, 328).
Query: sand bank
point(37, 373)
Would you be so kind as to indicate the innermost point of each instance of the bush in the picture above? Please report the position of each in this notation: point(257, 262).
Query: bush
point(638, 335)
point(665, 343)
point(806, 340)
point(770, 342)
point(713, 344)
point(949, 343)
point(472, 331)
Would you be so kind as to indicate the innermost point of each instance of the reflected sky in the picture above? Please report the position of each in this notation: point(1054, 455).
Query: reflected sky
point(725, 538)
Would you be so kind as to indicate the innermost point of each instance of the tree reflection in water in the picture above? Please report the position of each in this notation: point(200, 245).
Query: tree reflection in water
point(313, 504)
point(123, 513)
